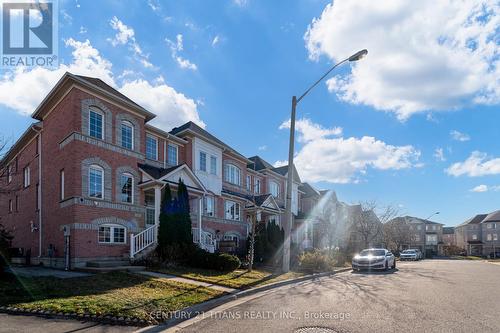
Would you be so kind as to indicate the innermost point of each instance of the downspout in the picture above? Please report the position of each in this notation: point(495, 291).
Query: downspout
point(40, 230)
point(164, 153)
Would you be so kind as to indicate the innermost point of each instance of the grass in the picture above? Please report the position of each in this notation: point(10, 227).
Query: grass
point(238, 279)
point(466, 257)
point(117, 294)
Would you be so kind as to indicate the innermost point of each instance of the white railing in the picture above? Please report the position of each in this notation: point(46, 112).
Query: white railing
point(143, 240)
point(207, 242)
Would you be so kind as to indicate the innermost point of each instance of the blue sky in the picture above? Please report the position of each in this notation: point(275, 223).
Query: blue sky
point(415, 124)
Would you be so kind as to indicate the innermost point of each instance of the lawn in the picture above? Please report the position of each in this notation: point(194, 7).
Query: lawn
point(117, 294)
point(239, 279)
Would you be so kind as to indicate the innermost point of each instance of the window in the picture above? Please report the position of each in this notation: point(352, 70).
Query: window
point(95, 124)
point(27, 178)
point(213, 165)
point(249, 183)
point(274, 219)
point(61, 184)
point(151, 147)
point(126, 188)
point(431, 238)
point(209, 206)
point(488, 237)
point(417, 238)
point(113, 234)
point(419, 227)
point(232, 174)
point(232, 210)
point(474, 237)
point(203, 161)
point(274, 188)
point(127, 135)
point(150, 216)
point(9, 173)
point(11, 208)
point(96, 182)
point(257, 186)
point(495, 237)
point(172, 154)
point(232, 238)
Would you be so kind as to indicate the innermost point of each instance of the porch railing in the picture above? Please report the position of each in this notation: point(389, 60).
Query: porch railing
point(142, 240)
point(207, 241)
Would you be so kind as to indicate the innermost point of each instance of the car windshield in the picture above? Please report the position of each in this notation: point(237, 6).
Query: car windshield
point(409, 251)
point(374, 253)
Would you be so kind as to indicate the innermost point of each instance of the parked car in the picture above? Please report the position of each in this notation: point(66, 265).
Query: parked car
point(409, 255)
point(495, 254)
point(374, 259)
point(420, 254)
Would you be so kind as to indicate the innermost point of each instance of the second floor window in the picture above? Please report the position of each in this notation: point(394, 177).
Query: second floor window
point(274, 189)
point(213, 165)
point(203, 161)
point(209, 206)
point(27, 178)
point(9, 173)
point(151, 147)
point(96, 182)
point(257, 186)
point(126, 188)
point(172, 154)
point(96, 120)
point(232, 174)
point(232, 210)
point(249, 183)
point(127, 135)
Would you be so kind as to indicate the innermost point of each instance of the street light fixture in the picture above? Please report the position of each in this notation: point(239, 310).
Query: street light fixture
point(436, 213)
point(289, 181)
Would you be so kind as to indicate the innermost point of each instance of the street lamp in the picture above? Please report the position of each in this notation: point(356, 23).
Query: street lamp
point(436, 213)
point(289, 181)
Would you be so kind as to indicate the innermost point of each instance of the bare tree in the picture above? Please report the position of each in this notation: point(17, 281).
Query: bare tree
point(6, 170)
point(397, 233)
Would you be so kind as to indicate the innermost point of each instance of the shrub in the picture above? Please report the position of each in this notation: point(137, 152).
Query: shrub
point(220, 262)
point(5, 238)
point(315, 262)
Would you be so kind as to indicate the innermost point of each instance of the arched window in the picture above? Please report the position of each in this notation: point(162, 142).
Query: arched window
point(127, 133)
point(96, 123)
point(232, 174)
point(112, 234)
point(127, 188)
point(96, 182)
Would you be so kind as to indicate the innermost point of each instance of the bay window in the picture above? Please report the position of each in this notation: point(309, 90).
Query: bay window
point(274, 188)
point(232, 174)
point(203, 161)
point(213, 165)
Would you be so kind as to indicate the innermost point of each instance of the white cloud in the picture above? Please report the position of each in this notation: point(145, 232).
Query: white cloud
point(175, 48)
point(476, 165)
point(125, 35)
point(324, 157)
point(456, 135)
point(22, 90)
point(423, 55)
point(439, 154)
point(479, 188)
point(263, 148)
point(240, 3)
point(154, 5)
point(216, 40)
point(309, 131)
point(83, 30)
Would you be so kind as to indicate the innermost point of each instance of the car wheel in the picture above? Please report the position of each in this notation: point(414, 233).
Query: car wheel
point(386, 268)
point(394, 265)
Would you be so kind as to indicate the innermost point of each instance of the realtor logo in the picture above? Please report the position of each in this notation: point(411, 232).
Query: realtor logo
point(29, 33)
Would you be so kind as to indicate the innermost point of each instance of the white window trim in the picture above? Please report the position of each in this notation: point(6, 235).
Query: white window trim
point(150, 136)
point(205, 205)
point(227, 172)
point(176, 154)
point(248, 183)
point(226, 212)
point(201, 152)
point(213, 172)
point(126, 174)
point(61, 179)
point(128, 124)
point(99, 112)
point(96, 167)
point(112, 234)
point(26, 176)
point(271, 182)
point(257, 189)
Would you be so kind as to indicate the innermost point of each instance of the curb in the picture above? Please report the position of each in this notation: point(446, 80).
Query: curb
point(193, 311)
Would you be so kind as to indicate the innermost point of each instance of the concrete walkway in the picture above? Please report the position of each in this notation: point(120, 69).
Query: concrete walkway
point(190, 281)
point(39, 271)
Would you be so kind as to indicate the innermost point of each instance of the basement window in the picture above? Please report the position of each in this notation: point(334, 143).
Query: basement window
point(112, 234)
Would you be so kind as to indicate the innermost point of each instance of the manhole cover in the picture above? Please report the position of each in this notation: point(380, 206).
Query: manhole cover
point(315, 329)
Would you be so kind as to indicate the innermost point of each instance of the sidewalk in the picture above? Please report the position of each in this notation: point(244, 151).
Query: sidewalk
point(189, 281)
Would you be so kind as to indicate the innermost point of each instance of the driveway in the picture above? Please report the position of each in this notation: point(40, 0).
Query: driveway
point(426, 296)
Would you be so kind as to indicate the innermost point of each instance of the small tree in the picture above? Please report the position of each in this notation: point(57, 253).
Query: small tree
point(5, 239)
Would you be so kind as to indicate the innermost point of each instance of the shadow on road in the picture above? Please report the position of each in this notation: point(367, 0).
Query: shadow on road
point(375, 272)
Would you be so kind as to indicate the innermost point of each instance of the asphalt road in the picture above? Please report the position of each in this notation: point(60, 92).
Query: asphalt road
point(425, 296)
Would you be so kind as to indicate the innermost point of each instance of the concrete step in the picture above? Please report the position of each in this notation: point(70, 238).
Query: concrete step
point(111, 269)
point(108, 263)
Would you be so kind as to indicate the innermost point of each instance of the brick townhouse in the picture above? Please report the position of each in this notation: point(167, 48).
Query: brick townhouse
point(480, 235)
point(425, 235)
point(84, 182)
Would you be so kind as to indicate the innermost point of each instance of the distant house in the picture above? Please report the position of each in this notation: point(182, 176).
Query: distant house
point(425, 235)
point(479, 235)
point(449, 236)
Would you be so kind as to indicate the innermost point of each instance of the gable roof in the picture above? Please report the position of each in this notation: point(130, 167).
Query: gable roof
point(308, 190)
point(94, 84)
point(258, 163)
point(155, 172)
point(162, 175)
point(474, 220)
point(25, 138)
point(194, 128)
point(492, 217)
point(283, 170)
point(413, 219)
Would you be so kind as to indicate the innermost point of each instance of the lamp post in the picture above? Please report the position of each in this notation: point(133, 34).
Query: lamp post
point(289, 181)
point(436, 213)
